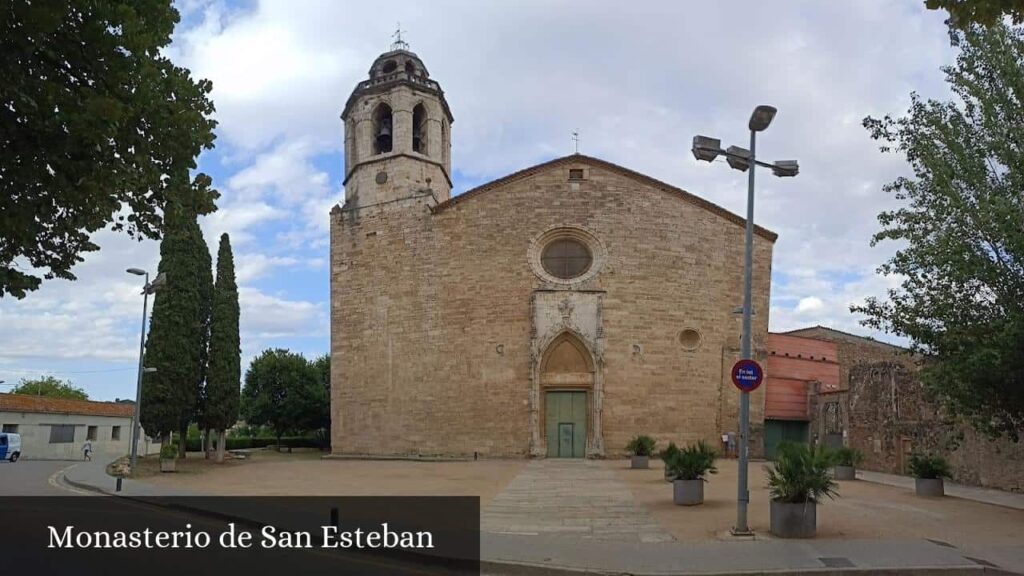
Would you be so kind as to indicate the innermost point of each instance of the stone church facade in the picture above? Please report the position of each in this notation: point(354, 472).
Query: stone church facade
point(554, 312)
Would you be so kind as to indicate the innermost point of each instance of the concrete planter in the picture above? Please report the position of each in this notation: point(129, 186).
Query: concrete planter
point(167, 465)
point(844, 473)
point(688, 492)
point(794, 520)
point(639, 462)
point(929, 487)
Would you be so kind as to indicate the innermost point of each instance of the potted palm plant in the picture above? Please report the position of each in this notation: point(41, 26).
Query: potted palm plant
point(689, 469)
point(168, 456)
point(666, 457)
point(797, 481)
point(640, 447)
point(847, 460)
point(928, 471)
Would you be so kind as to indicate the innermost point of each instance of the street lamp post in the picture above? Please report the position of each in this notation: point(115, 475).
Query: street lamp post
point(708, 149)
point(147, 289)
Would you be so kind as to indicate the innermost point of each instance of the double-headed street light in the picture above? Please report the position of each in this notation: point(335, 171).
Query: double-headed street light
point(147, 289)
point(707, 149)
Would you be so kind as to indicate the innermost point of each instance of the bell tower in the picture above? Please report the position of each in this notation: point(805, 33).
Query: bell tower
point(397, 134)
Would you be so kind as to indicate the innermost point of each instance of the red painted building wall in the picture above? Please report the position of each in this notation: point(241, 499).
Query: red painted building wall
point(793, 363)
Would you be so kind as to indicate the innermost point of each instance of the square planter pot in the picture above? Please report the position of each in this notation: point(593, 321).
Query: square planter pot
point(794, 520)
point(688, 492)
point(844, 473)
point(929, 487)
point(167, 464)
point(639, 462)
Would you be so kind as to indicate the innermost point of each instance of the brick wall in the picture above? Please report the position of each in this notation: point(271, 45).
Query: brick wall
point(431, 319)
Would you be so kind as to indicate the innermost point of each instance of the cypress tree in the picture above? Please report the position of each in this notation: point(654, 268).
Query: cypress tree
point(177, 336)
point(225, 369)
point(203, 269)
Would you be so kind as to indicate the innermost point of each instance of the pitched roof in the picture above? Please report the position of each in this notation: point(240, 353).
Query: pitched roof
point(48, 405)
point(605, 165)
point(806, 333)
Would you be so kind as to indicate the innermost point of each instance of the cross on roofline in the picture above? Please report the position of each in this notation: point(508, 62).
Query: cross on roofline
point(399, 44)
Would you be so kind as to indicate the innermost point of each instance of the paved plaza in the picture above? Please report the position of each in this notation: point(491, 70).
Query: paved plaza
point(581, 498)
point(600, 515)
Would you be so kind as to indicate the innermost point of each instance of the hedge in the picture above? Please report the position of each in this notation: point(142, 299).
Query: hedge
point(236, 443)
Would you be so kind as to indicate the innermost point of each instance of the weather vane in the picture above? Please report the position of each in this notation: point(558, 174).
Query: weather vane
point(576, 140)
point(399, 44)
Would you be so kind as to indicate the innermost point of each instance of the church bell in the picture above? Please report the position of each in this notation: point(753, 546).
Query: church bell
point(417, 139)
point(384, 135)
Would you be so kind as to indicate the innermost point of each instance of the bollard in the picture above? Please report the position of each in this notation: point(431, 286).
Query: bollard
point(118, 485)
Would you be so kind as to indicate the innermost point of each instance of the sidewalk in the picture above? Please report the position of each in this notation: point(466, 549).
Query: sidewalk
point(92, 476)
point(975, 493)
point(552, 555)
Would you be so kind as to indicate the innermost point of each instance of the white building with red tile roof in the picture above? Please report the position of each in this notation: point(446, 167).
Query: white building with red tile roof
point(58, 428)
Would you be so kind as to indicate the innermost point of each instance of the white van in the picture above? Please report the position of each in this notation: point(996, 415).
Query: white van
point(10, 446)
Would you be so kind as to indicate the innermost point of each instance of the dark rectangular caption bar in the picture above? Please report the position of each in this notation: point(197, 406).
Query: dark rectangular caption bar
point(289, 536)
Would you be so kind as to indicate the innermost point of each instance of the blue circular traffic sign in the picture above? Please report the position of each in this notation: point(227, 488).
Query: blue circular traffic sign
point(747, 375)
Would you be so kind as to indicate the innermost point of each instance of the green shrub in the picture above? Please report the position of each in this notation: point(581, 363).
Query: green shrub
point(801, 474)
point(931, 466)
point(847, 456)
point(669, 452)
point(693, 462)
point(168, 450)
point(641, 445)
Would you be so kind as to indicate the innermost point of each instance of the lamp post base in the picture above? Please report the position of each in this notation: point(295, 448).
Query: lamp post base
point(748, 533)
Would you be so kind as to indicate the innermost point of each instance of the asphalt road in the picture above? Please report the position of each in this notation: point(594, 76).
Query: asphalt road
point(35, 478)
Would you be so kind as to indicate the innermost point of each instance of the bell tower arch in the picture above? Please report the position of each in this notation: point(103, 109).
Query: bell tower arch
point(397, 134)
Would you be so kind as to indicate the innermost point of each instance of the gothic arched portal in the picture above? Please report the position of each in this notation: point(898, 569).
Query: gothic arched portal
point(567, 385)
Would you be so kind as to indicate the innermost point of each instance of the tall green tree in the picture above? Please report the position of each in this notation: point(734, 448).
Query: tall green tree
point(223, 379)
point(50, 387)
point(177, 336)
point(322, 418)
point(92, 117)
point(282, 391)
point(961, 240)
point(204, 277)
point(964, 13)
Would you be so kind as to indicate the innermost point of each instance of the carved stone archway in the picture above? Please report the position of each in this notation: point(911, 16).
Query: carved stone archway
point(566, 365)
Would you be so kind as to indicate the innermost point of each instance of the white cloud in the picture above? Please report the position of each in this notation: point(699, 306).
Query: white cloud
point(810, 304)
point(265, 316)
point(249, 267)
point(238, 220)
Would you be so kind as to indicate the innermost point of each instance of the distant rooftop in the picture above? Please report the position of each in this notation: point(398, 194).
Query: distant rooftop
point(806, 333)
point(47, 405)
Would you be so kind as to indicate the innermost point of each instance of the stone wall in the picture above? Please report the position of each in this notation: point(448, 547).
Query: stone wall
point(888, 416)
point(432, 326)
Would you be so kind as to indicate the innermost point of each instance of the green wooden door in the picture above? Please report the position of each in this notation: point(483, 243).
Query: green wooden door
point(779, 431)
point(566, 424)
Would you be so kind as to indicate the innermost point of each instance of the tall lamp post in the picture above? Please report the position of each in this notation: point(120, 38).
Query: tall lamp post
point(707, 149)
point(147, 289)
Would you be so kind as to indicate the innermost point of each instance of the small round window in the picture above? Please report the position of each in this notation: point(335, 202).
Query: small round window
point(566, 258)
point(690, 339)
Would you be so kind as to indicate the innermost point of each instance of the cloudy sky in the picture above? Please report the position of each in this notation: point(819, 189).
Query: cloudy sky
point(637, 80)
